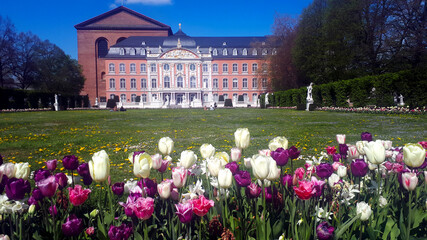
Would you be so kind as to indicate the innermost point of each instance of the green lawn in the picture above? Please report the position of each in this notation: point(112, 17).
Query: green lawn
point(39, 136)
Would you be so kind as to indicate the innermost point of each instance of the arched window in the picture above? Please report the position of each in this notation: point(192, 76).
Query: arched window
point(122, 83)
point(192, 82)
point(224, 83)
point(132, 52)
point(215, 83)
point(245, 83)
point(132, 68)
point(215, 68)
point(224, 52)
point(192, 67)
point(245, 97)
point(133, 98)
point(122, 51)
point(142, 51)
point(123, 98)
point(264, 51)
point(235, 83)
point(254, 67)
point(254, 97)
point(264, 83)
point(245, 67)
point(143, 68)
point(244, 52)
point(153, 67)
point(234, 52)
point(144, 97)
point(166, 67)
point(111, 68)
point(112, 96)
point(179, 67)
point(215, 52)
point(166, 82)
point(179, 82)
point(102, 47)
point(153, 83)
point(235, 68)
point(254, 83)
point(143, 83)
point(122, 68)
point(133, 83)
point(264, 67)
point(224, 68)
point(254, 52)
point(112, 83)
point(205, 67)
point(205, 83)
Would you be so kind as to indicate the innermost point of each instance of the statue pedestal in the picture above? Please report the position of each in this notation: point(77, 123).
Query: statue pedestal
point(309, 101)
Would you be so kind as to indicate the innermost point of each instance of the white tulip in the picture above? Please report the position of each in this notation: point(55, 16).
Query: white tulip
point(214, 165)
point(164, 189)
point(341, 138)
point(260, 166)
point(157, 161)
point(223, 156)
point(342, 171)
point(225, 178)
point(414, 155)
point(188, 158)
point(274, 171)
point(375, 152)
point(99, 166)
point(382, 201)
point(360, 145)
point(236, 153)
point(247, 162)
point(8, 169)
point(333, 180)
point(242, 138)
point(22, 170)
point(364, 209)
point(207, 150)
point(166, 145)
point(142, 165)
point(278, 142)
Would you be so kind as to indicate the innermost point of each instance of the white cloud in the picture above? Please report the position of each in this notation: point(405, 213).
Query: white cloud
point(144, 2)
point(112, 6)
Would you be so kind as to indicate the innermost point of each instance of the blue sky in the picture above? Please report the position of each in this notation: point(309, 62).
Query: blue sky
point(55, 20)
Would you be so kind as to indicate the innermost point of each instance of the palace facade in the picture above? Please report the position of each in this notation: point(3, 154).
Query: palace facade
point(139, 62)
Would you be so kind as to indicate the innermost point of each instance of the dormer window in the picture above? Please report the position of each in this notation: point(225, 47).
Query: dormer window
point(132, 51)
point(274, 51)
point(224, 52)
point(142, 51)
point(143, 43)
point(244, 52)
point(122, 51)
point(224, 44)
point(254, 52)
point(234, 52)
point(264, 52)
point(215, 52)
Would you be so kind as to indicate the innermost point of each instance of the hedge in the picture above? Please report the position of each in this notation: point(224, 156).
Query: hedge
point(377, 90)
point(23, 99)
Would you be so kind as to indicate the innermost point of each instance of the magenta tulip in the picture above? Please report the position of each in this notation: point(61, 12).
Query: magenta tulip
point(253, 190)
point(122, 232)
point(78, 195)
point(118, 188)
point(48, 186)
point(202, 205)
point(184, 212)
point(325, 231)
point(233, 166)
point(51, 165)
point(243, 178)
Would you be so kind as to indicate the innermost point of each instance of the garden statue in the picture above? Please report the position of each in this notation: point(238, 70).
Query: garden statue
point(266, 99)
point(401, 103)
point(56, 105)
point(309, 97)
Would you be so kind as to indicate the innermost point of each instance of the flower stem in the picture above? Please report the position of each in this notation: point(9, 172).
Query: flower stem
point(263, 211)
point(408, 228)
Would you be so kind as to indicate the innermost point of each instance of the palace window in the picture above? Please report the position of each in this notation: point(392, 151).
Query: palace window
point(153, 83)
point(234, 52)
point(143, 83)
point(112, 83)
point(123, 98)
point(122, 67)
point(215, 52)
point(235, 67)
point(192, 82)
point(235, 83)
point(224, 68)
point(254, 83)
point(225, 83)
point(225, 96)
point(254, 52)
point(254, 67)
point(166, 67)
point(192, 67)
point(133, 98)
point(245, 97)
point(154, 97)
point(132, 51)
point(179, 67)
point(111, 67)
point(112, 96)
point(205, 83)
point(142, 51)
point(264, 67)
point(245, 52)
point(264, 83)
point(122, 51)
point(153, 67)
point(264, 51)
point(254, 97)
point(224, 52)
point(245, 83)
point(179, 82)
point(215, 97)
point(122, 83)
point(235, 97)
point(244, 67)
point(215, 68)
point(143, 68)
point(144, 97)
point(205, 67)
point(133, 83)
point(215, 83)
point(205, 97)
point(166, 82)
point(132, 68)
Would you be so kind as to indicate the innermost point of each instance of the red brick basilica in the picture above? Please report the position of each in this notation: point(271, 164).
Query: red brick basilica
point(142, 63)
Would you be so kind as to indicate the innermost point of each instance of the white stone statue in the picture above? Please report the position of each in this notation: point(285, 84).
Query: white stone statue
point(56, 104)
point(309, 94)
point(401, 103)
point(266, 99)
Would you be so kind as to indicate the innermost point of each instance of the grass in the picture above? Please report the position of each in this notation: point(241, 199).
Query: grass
point(39, 136)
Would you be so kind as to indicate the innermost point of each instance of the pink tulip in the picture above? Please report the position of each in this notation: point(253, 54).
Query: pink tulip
point(304, 190)
point(78, 195)
point(299, 173)
point(144, 208)
point(335, 165)
point(236, 154)
point(51, 165)
point(202, 205)
point(179, 176)
point(409, 180)
point(397, 167)
point(331, 150)
point(352, 152)
point(164, 189)
point(157, 161)
point(48, 186)
point(184, 212)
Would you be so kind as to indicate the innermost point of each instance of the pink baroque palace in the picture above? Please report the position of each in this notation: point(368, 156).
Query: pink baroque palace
point(139, 62)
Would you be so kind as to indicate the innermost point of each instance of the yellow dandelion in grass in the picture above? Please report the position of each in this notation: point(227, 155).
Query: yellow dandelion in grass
point(126, 150)
point(117, 149)
point(62, 169)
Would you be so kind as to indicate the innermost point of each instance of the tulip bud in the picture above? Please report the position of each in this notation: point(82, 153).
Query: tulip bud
point(375, 152)
point(341, 138)
point(157, 161)
point(414, 155)
point(382, 201)
point(366, 136)
point(188, 158)
point(225, 178)
point(242, 138)
point(248, 162)
point(31, 209)
point(99, 166)
point(207, 150)
point(51, 165)
point(236, 153)
point(364, 210)
point(278, 142)
point(342, 171)
point(166, 145)
point(94, 213)
point(352, 152)
point(409, 180)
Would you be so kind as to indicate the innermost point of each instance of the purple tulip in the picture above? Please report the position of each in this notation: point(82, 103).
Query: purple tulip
point(243, 178)
point(281, 156)
point(253, 190)
point(336, 157)
point(87, 180)
point(41, 174)
point(37, 194)
point(424, 165)
point(72, 227)
point(233, 166)
point(61, 179)
point(359, 168)
point(343, 150)
point(287, 181)
point(325, 231)
point(83, 169)
point(16, 188)
point(149, 186)
point(324, 170)
point(53, 210)
point(3, 183)
point(51, 165)
point(123, 232)
point(48, 186)
point(366, 136)
point(293, 152)
point(33, 201)
point(118, 188)
point(184, 212)
point(165, 164)
point(70, 162)
point(318, 186)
